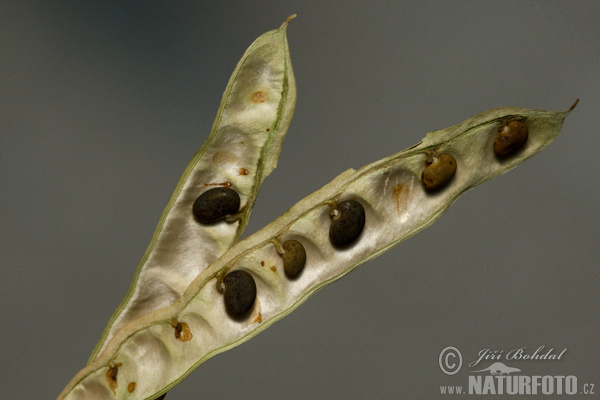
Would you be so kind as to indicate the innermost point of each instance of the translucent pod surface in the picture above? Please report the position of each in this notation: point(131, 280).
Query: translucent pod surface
point(396, 206)
point(241, 150)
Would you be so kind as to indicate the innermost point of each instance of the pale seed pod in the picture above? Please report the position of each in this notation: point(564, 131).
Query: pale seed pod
point(240, 152)
point(511, 137)
point(438, 172)
point(391, 220)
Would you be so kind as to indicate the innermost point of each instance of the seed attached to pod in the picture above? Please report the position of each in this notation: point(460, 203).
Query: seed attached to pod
point(347, 224)
point(294, 258)
point(215, 204)
point(239, 293)
point(438, 172)
point(183, 332)
point(511, 137)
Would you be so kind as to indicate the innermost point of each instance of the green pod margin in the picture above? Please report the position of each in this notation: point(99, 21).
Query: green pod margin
point(396, 207)
point(240, 152)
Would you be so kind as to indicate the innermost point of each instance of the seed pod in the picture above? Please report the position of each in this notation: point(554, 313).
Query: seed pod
point(239, 293)
point(294, 258)
point(347, 224)
point(511, 137)
point(241, 150)
point(216, 204)
point(438, 172)
point(170, 360)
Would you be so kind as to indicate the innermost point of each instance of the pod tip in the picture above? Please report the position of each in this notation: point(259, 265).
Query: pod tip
point(573, 106)
point(287, 21)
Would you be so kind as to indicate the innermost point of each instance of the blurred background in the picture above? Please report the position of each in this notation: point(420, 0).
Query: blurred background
point(102, 104)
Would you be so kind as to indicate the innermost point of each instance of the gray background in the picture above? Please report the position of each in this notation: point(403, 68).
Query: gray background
point(102, 106)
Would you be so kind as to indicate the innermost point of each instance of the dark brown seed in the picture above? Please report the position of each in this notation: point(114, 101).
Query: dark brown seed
point(439, 172)
point(240, 292)
point(348, 224)
point(294, 258)
point(511, 137)
point(215, 204)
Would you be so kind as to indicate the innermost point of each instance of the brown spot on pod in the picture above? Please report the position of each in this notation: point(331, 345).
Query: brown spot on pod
point(183, 332)
point(215, 204)
point(258, 319)
point(294, 258)
point(401, 195)
point(244, 171)
point(438, 171)
point(239, 293)
point(511, 137)
point(347, 223)
point(111, 377)
point(260, 96)
point(131, 387)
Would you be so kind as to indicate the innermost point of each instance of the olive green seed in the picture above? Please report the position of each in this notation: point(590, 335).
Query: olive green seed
point(215, 204)
point(437, 173)
point(511, 137)
point(239, 293)
point(294, 258)
point(347, 224)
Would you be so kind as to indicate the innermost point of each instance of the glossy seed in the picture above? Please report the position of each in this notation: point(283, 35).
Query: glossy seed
point(511, 137)
point(215, 204)
point(239, 293)
point(347, 224)
point(438, 172)
point(183, 332)
point(294, 258)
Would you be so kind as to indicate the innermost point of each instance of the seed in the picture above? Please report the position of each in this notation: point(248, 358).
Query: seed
point(294, 258)
point(437, 173)
point(240, 292)
point(215, 204)
point(511, 137)
point(348, 224)
point(183, 332)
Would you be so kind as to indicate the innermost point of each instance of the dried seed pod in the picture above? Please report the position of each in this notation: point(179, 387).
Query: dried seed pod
point(201, 305)
point(216, 204)
point(294, 258)
point(347, 224)
point(438, 172)
point(511, 137)
point(239, 293)
point(251, 122)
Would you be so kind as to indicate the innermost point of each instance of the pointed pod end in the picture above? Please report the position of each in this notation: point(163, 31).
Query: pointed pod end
point(573, 106)
point(287, 21)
